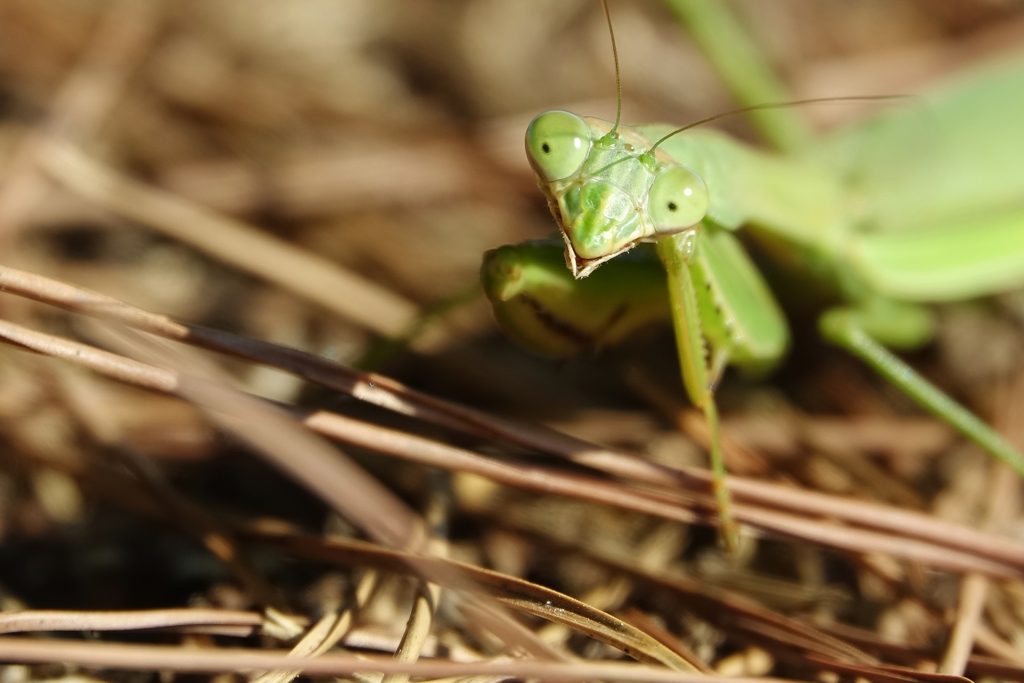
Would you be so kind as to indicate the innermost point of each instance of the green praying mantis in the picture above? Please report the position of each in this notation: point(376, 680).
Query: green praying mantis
point(875, 220)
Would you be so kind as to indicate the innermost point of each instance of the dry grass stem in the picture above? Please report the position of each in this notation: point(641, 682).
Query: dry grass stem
point(648, 625)
point(79, 300)
point(990, 556)
point(327, 632)
point(146, 657)
point(58, 620)
point(104, 362)
point(417, 628)
point(427, 596)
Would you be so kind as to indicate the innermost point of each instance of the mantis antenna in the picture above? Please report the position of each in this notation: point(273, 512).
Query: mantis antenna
point(618, 77)
point(777, 105)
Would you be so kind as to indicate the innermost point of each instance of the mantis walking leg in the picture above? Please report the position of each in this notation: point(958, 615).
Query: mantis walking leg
point(852, 329)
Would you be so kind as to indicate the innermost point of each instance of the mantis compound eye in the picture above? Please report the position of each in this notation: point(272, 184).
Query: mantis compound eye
point(557, 144)
point(678, 200)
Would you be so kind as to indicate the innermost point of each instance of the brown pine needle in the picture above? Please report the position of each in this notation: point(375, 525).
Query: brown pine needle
point(945, 546)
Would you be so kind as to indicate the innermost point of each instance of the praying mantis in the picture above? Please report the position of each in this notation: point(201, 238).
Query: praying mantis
point(873, 219)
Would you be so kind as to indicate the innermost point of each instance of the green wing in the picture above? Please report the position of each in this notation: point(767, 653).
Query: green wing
point(937, 191)
point(977, 256)
point(955, 153)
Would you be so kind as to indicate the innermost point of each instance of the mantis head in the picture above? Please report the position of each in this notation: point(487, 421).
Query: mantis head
point(606, 189)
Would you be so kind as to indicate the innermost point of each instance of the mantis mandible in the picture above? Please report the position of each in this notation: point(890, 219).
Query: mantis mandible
point(870, 219)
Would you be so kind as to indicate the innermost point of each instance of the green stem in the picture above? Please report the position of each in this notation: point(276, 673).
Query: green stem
point(734, 54)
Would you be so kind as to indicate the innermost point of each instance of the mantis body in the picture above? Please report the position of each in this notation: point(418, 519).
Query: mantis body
point(875, 219)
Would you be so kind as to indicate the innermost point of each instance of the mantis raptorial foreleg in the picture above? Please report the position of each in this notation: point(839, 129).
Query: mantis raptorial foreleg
point(677, 254)
point(851, 329)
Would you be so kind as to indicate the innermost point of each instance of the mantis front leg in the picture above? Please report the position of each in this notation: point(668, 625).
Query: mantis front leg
point(723, 314)
point(676, 254)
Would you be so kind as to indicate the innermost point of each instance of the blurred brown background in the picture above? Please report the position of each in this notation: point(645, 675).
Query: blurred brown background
point(383, 139)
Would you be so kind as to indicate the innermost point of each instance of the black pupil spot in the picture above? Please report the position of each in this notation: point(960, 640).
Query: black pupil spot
point(546, 147)
point(672, 206)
